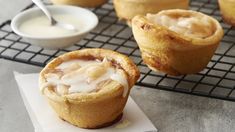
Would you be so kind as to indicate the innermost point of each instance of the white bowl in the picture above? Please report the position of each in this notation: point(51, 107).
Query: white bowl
point(85, 15)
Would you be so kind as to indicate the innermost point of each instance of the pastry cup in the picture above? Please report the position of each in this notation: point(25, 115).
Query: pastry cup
point(227, 9)
point(82, 3)
point(127, 9)
point(95, 109)
point(175, 54)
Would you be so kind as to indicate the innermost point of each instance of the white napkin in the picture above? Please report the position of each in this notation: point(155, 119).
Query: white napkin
point(45, 120)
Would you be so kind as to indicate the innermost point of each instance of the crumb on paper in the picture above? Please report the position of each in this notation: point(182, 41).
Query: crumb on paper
point(122, 124)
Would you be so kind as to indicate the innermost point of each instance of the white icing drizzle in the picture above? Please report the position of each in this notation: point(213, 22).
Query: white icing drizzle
point(85, 78)
point(82, 63)
point(123, 124)
point(199, 27)
point(117, 76)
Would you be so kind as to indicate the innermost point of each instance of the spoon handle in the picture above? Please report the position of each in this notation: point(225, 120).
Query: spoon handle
point(44, 9)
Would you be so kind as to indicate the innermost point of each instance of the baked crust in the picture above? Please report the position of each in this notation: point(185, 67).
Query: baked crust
point(227, 9)
point(127, 9)
point(175, 54)
point(83, 3)
point(95, 109)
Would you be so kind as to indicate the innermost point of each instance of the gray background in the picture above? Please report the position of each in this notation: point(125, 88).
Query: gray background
point(169, 112)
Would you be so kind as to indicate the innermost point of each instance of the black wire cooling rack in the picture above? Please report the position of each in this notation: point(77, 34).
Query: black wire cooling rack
point(217, 80)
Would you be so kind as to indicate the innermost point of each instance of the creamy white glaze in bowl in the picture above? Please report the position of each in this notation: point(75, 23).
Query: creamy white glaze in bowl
point(88, 22)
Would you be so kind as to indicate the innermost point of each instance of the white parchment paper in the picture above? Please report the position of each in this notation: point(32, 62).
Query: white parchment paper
point(45, 120)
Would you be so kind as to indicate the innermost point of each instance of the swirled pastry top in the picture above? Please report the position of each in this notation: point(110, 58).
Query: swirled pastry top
point(85, 76)
point(190, 23)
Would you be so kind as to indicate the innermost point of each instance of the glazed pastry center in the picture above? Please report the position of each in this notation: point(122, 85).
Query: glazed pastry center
point(85, 76)
point(199, 27)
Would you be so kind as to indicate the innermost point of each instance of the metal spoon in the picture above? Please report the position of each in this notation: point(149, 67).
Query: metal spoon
point(52, 20)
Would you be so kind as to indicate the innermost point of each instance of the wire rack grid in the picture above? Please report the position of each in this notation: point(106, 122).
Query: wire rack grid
point(217, 80)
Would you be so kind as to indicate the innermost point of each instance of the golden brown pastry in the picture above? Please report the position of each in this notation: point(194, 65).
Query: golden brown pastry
point(227, 9)
point(127, 9)
point(89, 88)
point(83, 3)
point(177, 41)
